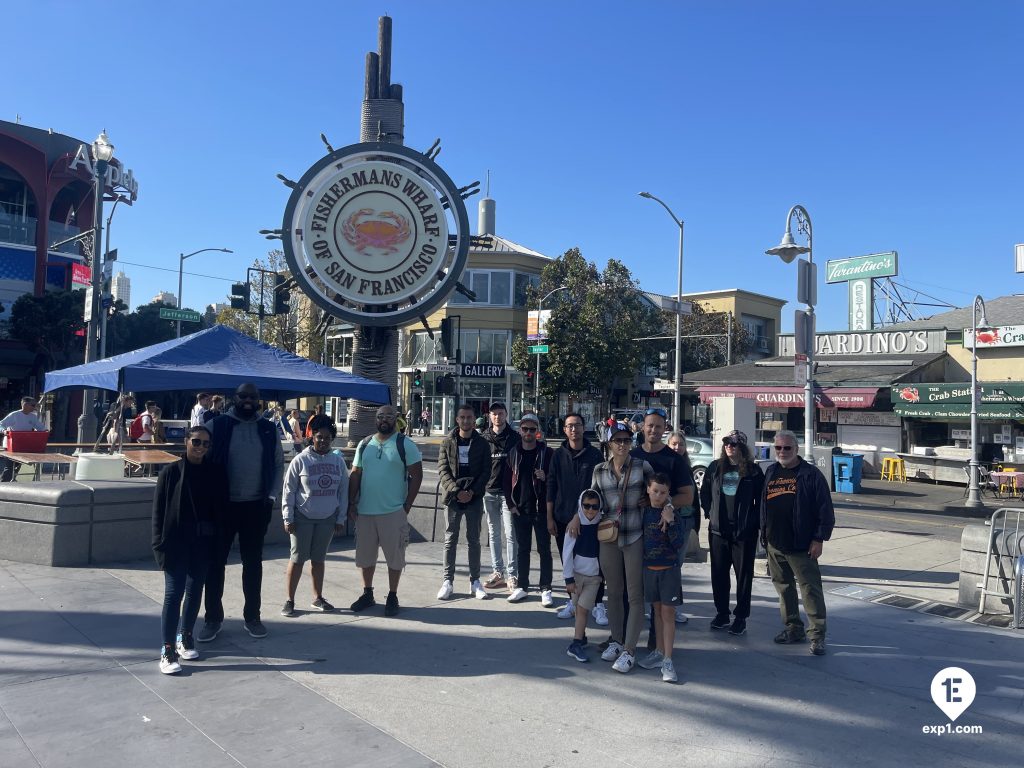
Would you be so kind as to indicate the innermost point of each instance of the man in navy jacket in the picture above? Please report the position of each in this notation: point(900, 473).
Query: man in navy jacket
point(796, 518)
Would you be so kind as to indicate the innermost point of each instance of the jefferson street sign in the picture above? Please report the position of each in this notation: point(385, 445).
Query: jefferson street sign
point(185, 315)
point(538, 349)
point(442, 368)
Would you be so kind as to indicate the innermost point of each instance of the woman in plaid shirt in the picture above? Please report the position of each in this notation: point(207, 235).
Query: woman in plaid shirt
point(622, 483)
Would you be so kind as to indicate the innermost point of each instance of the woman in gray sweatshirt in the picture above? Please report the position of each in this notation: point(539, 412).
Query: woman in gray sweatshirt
point(314, 505)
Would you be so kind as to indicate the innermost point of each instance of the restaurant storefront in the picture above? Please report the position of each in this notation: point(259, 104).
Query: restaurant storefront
point(939, 414)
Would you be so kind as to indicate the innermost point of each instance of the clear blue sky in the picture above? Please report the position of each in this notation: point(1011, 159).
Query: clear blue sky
point(898, 125)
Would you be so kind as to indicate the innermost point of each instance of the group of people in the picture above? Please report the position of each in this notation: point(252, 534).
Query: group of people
point(620, 525)
point(227, 486)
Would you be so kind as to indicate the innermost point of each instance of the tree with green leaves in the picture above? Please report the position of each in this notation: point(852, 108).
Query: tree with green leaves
point(596, 315)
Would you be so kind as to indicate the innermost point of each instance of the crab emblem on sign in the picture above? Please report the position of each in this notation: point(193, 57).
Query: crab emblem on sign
point(384, 232)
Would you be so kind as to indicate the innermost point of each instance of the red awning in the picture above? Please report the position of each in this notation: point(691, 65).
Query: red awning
point(793, 397)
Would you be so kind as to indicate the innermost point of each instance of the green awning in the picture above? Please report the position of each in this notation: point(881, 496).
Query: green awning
point(959, 410)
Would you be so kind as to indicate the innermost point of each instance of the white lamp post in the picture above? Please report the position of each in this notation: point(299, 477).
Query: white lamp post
point(973, 489)
point(102, 152)
point(181, 264)
point(677, 394)
point(536, 380)
point(788, 250)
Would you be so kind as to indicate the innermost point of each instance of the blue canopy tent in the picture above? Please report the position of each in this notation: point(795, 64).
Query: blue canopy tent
point(219, 358)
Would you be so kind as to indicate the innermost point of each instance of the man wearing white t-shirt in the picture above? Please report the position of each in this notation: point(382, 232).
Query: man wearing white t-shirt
point(24, 420)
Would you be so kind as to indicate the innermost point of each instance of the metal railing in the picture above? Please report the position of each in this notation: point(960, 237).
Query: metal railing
point(1005, 543)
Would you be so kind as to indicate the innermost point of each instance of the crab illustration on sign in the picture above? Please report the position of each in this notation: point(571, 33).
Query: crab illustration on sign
point(988, 337)
point(910, 394)
point(385, 231)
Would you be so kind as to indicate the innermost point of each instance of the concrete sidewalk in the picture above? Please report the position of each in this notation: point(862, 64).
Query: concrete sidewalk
point(469, 682)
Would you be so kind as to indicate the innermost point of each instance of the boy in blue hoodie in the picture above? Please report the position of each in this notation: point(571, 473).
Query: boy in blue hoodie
point(581, 569)
point(663, 588)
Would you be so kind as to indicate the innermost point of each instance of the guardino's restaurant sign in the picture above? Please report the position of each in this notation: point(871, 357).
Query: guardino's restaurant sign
point(793, 397)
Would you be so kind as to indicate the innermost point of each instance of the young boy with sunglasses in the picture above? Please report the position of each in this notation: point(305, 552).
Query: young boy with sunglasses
point(581, 569)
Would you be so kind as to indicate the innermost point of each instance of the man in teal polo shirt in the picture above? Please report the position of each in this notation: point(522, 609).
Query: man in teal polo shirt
point(382, 488)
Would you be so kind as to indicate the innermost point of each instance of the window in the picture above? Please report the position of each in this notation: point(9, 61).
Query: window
point(485, 347)
point(524, 281)
point(501, 289)
point(493, 287)
point(339, 352)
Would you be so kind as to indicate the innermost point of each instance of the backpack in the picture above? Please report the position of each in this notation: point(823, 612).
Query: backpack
point(135, 430)
point(401, 447)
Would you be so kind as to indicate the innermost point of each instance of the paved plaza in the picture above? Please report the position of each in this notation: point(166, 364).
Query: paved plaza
point(469, 682)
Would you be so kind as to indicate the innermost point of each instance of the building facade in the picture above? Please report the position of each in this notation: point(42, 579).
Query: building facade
point(121, 289)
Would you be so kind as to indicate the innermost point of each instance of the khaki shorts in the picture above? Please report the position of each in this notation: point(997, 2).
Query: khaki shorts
point(585, 596)
point(389, 533)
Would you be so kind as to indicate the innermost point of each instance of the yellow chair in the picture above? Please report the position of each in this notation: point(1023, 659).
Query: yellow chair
point(894, 469)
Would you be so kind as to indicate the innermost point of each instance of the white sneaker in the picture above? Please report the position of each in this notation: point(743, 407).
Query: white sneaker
point(600, 614)
point(624, 663)
point(547, 599)
point(445, 591)
point(611, 653)
point(478, 590)
point(681, 617)
point(652, 660)
point(169, 664)
point(668, 672)
point(567, 611)
point(517, 596)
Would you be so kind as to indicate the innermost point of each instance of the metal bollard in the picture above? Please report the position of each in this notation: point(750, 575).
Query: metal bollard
point(1018, 593)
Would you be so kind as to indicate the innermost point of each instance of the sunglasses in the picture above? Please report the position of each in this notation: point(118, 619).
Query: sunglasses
point(656, 412)
point(591, 506)
point(246, 396)
point(622, 440)
point(731, 443)
point(527, 429)
point(783, 447)
point(197, 443)
point(386, 418)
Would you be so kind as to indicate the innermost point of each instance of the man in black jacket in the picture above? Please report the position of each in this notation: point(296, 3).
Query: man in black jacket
point(248, 447)
point(500, 438)
point(572, 470)
point(796, 517)
point(464, 467)
point(525, 484)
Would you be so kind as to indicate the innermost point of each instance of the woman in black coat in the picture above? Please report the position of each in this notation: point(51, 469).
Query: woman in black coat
point(731, 498)
point(188, 494)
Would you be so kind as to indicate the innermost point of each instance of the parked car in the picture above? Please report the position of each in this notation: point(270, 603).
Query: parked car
point(701, 455)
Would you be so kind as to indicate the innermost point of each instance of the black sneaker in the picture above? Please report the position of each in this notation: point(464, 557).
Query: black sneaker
point(365, 601)
point(288, 609)
point(256, 628)
point(786, 637)
point(209, 632)
point(721, 621)
point(739, 627)
point(322, 605)
point(818, 646)
point(391, 605)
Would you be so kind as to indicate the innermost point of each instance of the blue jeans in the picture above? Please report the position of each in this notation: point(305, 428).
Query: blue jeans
point(499, 518)
point(185, 578)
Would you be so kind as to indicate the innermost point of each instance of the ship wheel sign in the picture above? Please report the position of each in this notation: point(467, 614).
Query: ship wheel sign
point(376, 234)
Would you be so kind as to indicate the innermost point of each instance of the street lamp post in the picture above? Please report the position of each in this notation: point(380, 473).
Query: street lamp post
point(677, 394)
point(536, 380)
point(973, 489)
point(102, 152)
point(103, 310)
point(788, 250)
point(181, 265)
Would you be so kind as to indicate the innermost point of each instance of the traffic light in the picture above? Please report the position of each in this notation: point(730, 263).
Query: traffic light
point(417, 379)
point(240, 296)
point(664, 365)
point(282, 295)
point(530, 376)
point(447, 337)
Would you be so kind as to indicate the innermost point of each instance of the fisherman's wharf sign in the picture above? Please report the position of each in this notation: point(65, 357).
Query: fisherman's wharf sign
point(376, 234)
